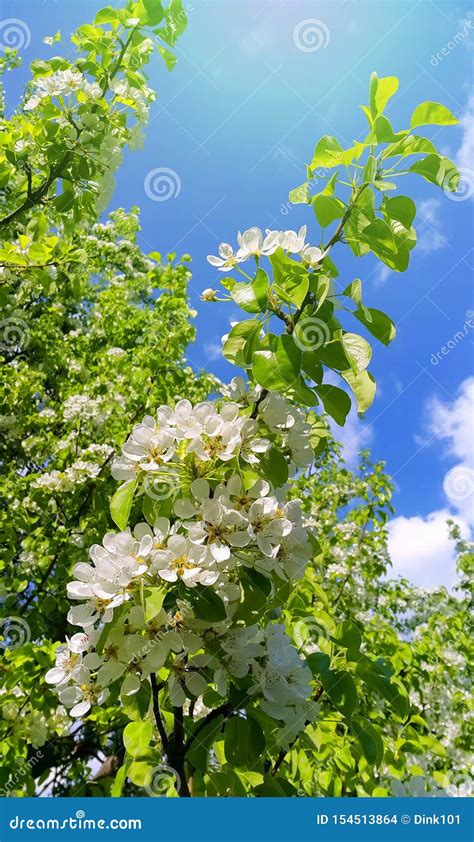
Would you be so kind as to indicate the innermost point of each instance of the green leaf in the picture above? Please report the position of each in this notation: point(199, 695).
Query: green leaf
point(379, 237)
point(107, 15)
point(401, 208)
point(198, 754)
point(153, 602)
point(271, 788)
point(354, 291)
point(140, 772)
point(439, 170)
point(279, 368)
point(301, 393)
point(431, 168)
point(65, 201)
point(290, 278)
point(318, 662)
point(333, 354)
point(328, 153)
point(256, 590)
point(341, 689)
point(382, 685)
point(370, 169)
point(252, 297)
point(274, 467)
point(154, 11)
point(380, 91)
point(241, 341)
point(207, 605)
point(299, 195)
point(121, 503)
point(337, 403)
point(370, 740)
point(379, 324)
point(363, 386)
point(327, 209)
point(176, 22)
point(137, 737)
point(117, 786)
point(452, 176)
point(136, 706)
point(383, 132)
point(244, 741)
point(311, 366)
point(168, 57)
point(432, 113)
point(358, 350)
point(348, 635)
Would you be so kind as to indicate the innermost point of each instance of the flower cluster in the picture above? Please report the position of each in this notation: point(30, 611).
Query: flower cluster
point(208, 432)
point(252, 243)
point(219, 524)
point(59, 84)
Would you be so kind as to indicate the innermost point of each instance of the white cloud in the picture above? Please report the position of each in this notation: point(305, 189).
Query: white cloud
point(212, 350)
point(465, 154)
point(452, 424)
point(429, 236)
point(419, 546)
point(383, 273)
point(421, 550)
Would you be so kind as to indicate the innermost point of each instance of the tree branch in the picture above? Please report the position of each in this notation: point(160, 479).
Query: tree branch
point(155, 687)
point(224, 709)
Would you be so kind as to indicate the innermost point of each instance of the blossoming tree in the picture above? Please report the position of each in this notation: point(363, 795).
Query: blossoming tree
point(186, 619)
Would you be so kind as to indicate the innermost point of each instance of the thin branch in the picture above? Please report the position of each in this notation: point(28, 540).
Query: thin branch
point(155, 687)
point(177, 753)
point(224, 709)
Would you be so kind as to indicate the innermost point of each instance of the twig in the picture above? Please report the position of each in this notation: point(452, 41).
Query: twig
point(155, 687)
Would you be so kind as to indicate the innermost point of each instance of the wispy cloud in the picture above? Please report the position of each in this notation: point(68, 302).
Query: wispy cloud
point(465, 153)
point(429, 226)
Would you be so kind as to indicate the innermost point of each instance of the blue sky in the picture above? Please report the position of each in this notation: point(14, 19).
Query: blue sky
point(237, 120)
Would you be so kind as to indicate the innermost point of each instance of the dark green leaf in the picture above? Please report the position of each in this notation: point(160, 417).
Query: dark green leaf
point(370, 740)
point(198, 754)
point(379, 324)
point(244, 741)
point(336, 402)
point(206, 604)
